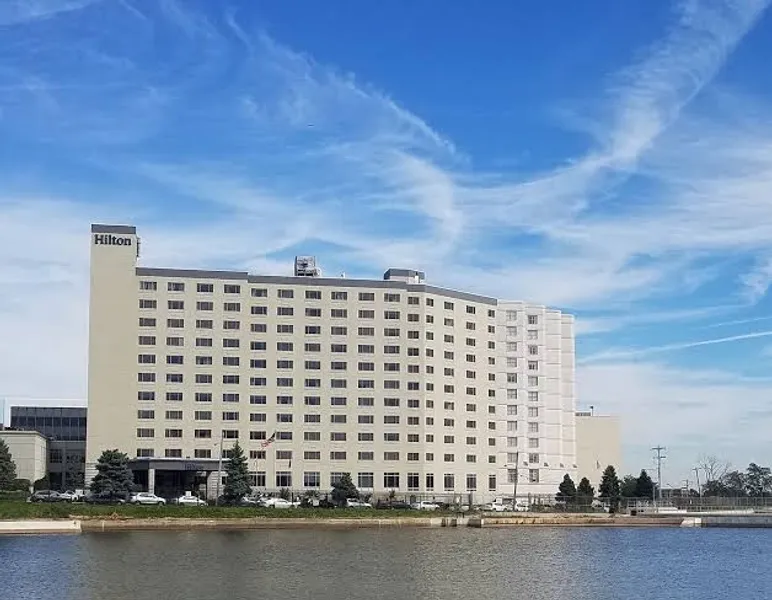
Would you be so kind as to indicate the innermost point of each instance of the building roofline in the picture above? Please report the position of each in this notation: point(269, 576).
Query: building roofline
point(314, 282)
point(121, 229)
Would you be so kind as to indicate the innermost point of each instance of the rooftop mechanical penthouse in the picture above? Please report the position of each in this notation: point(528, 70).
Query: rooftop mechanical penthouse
point(406, 386)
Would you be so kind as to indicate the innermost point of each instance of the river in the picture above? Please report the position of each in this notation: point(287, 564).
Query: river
point(405, 564)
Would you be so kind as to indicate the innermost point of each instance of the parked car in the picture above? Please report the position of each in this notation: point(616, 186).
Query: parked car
point(47, 496)
point(147, 498)
point(354, 503)
point(104, 499)
point(278, 503)
point(191, 501)
point(496, 507)
point(425, 505)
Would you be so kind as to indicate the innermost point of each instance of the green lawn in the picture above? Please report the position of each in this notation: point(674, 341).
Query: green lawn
point(24, 510)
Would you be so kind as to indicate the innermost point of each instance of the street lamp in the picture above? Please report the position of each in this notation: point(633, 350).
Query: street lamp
point(514, 480)
point(219, 471)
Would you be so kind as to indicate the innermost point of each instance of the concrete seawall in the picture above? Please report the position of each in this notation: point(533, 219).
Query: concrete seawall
point(745, 521)
point(39, 527)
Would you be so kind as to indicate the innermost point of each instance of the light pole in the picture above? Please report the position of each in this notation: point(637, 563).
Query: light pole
point(219, 472)
point(514, 480)
point(699, 488)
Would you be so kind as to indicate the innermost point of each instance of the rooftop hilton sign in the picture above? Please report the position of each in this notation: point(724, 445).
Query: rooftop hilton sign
point(105, 239)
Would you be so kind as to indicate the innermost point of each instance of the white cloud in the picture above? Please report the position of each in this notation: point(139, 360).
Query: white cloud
point(16, 12)
point(690, 411)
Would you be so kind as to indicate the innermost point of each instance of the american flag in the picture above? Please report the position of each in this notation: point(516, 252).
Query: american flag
point(269, 441)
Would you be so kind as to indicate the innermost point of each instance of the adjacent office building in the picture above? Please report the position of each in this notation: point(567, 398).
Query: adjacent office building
point(28, 452)
point(64, 431)
point(426, 391)
point(598, 445)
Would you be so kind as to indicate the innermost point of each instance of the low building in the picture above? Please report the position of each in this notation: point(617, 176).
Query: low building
point(29, 452)
point(64, 428)
point(598, 445)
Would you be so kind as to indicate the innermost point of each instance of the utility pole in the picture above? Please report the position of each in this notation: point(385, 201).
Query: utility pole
point(514, 486)
point(219, 472)
point(699, 488)
point(659, 458)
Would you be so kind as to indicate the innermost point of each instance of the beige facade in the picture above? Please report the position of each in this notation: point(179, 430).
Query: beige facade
point(29, 452)
point(403, 385)
point(598, 445)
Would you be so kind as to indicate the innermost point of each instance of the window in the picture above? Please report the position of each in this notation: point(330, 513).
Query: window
point(146, 322)
point(390, 436)
point(146, 359)
point(205, 288)
point(533, 350)
point(146, 414)
point(337, 436)
point(259, 293)
point(284, 418)
point(366, 401)
point(312, 400)
point(174, 396)
point(366, 297)
point(366, 455)
point(230, 416)
point(285, 293)
point(533, 319)
point(533, 412)
point(284, 328)
point(533, 428)
point(391, 349)
point(284, 478)
point(255, 399)
point(284, 346)
point(391, 314)
point(366, 419)
point(230, 361)
point(391, 480)
point(533, 474)
point(338, 348)
point(339, 419)
point(203, 415)
point(449, 481)
point(533, 442)
point(147, 340)
point(533, 396)
point(146, 377)
point(312, 479)
point(284, 435)
point(338, 295)
point(175, 323)
point(366, 314)
point(175, 304)
point(173, 433)
point(338, 455)
point(174, 359)
point(257, 435)
point(150, 286)
point(366, 349)
point(471, 481)
point(257, 363)
point(232, 307)
point(365, 480)
point(230, 397)
point(365, 437)
point(204, 324)
point(285, 311)
point(259, 310)
point(338, 330)
point(230, 379)
point(309, 347)
point(147, 303)
point(175, 286)
point(202, 453)
point(203, 397)
point(511, 410)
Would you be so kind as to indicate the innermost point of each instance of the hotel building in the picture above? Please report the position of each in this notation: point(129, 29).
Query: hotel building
point(408, 387)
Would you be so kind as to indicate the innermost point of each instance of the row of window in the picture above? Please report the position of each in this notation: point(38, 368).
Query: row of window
point(288, 293)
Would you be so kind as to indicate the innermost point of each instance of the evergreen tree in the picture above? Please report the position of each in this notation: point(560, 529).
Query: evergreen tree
point(237, 481)
point(566, 490)
point(628, 485)
point(585, 491)
point(644, 486)
point(343, 489)
point(609, 488)
point(7, 467)
point(114, 479)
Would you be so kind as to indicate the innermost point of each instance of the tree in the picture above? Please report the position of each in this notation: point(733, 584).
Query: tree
point(7, 467)
point(343, 489)
point(628, 487)
point(237, 476)
point(758, 481)
point(566, 490)
point(114, 479)
point(609, 488)
point(585, 492)
point(644, 486)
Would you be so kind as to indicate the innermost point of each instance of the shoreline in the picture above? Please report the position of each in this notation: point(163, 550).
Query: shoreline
point(114, 524)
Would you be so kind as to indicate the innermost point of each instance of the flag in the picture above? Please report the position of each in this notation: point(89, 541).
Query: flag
point(269, 441)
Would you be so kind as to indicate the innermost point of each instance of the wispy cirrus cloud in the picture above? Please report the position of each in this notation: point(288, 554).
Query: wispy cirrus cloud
point(229, 149)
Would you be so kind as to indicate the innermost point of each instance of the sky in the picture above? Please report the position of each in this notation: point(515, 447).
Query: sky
point(611, 159)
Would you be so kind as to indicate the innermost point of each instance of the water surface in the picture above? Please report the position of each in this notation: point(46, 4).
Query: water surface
point(445, 564)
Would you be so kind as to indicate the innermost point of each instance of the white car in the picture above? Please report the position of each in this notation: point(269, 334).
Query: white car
point(354, 503)
point(147, 498)
point(424, 505)
point(191, 501)
point(278, 503)
point(496, 507)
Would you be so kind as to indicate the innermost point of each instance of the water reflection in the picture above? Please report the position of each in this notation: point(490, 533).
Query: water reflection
point(531, 563)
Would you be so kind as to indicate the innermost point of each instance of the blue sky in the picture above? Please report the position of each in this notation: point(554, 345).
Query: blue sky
point(611, 159)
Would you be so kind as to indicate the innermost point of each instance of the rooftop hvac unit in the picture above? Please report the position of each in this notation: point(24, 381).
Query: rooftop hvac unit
point(305, 266)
